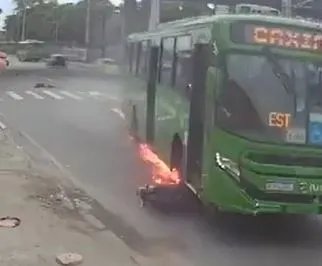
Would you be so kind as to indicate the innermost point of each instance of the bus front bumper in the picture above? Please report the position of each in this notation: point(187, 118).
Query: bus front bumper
point(229, 195)
point(291, 208)
point(256, 207)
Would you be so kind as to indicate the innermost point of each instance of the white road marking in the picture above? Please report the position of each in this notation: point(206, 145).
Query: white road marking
point(94, 93)
point(14, 95)
point(104, 96)
point(2, 126)
point(71, 95)
point(119, 112)
point(35, 95)
point(113, 98)
point(97, 95)
point(53, 95)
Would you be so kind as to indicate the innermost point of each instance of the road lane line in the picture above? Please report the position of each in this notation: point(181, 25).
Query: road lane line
point(104, 96)
point(35, 95)
point(14, 95)
point(94, 93)
point(53, 95)
point(119, 112)
point(114, 98)
point(71, 95)
point(2, 126)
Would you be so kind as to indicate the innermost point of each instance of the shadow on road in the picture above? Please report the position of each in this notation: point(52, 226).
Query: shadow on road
point(264, 230)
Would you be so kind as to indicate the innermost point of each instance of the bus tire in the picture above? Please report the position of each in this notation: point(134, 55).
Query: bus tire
point(176, 152)
point(134, 126)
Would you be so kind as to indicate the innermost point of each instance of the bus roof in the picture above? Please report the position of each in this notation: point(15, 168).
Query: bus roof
point(198, 22)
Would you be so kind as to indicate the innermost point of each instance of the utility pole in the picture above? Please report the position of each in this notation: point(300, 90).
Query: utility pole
point(287, 8)
point(56, 23)
point(87, 29)
point(24, 20)
point(154, 14)
point(56, 31)
point(17, 29)
point(104, 15)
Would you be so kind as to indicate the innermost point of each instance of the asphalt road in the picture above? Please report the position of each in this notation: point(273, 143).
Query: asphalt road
point(81, 128)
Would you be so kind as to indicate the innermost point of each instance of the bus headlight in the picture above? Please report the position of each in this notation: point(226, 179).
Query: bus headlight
point(228, 166)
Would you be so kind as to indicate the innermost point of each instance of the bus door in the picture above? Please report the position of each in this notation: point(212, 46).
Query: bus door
point(196, 129)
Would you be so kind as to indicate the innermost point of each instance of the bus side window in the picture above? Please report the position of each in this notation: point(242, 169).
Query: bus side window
point(130, 55)
point(143, 59)
point(137, 58)
point(134, 57)
point(183, 78)
point(167, 61)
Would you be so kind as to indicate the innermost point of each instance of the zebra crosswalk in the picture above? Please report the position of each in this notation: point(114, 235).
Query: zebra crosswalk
point(56, 95)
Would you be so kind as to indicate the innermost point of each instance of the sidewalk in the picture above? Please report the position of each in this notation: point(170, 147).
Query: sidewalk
point(51, 222)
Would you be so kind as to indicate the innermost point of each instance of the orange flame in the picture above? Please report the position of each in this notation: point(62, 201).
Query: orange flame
point(162, 174)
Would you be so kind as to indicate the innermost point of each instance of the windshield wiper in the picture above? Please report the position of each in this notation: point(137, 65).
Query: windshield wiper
point(286, 81)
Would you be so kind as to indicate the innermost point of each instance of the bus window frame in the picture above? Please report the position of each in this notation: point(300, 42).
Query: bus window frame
point(174, 63)
point(142, 62)
point(176, 56)
point(131, 55)
point(147, 56)
point(161, 59)
point(138, 57)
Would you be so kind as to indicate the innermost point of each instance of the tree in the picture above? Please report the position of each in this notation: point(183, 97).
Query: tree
point(22, 4)
point(130, 16)
point(49, 21)
point(12, 27)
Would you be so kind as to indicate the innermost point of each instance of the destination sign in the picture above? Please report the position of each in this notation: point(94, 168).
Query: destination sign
point(286, 37)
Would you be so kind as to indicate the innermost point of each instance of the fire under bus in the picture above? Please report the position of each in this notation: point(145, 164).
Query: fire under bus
point(232, 105)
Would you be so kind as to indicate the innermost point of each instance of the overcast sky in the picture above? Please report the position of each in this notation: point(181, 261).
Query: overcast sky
point(7, 7)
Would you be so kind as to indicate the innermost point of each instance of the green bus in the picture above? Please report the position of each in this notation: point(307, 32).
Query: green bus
point(31, 51)
point(257, 127)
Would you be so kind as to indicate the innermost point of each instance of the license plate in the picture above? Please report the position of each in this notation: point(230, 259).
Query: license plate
point(296, 136)
point(278, 186)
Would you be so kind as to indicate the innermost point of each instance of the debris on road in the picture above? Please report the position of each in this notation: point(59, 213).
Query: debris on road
point(44, 85)
point(9, 222)
point(69, 259)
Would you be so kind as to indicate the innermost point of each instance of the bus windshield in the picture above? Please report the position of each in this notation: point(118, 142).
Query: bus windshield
point(256, 103)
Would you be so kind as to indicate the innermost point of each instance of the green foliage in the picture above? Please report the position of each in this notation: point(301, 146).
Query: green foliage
point(48, 21)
